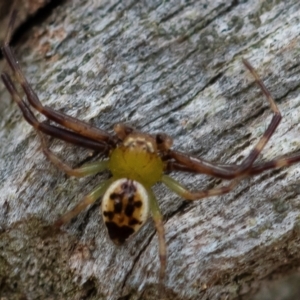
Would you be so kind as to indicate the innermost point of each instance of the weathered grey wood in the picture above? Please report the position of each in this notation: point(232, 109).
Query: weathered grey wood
point(168, 66)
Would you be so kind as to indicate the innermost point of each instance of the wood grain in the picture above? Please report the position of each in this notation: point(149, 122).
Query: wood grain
point(161, 66)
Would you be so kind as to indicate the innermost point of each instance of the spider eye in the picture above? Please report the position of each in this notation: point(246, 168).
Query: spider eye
point(128, 130)
point(122, 130)
point(163, 141)
point(160, 138)
point(125, 208)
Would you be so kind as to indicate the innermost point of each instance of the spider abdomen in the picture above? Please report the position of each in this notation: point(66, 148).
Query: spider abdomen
point(125, 208)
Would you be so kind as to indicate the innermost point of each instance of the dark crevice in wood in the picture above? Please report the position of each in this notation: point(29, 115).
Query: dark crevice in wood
point(34, 20)
point(137, 258)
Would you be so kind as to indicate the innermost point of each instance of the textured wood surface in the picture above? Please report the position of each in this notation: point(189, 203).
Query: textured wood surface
point(170, 66)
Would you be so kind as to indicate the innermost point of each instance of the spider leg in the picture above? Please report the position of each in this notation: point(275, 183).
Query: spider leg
point(158, 221)
point(69, 122)
point(175, 166)
point(84, 203)
point(180, 190)
point(185, 163)
point(231, 171)
point(85, 170)
point(272, 126)
point(273, 164)
point(254, 170)
point(54, 131)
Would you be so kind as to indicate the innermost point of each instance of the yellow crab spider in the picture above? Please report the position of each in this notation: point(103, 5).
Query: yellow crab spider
point(135, 160)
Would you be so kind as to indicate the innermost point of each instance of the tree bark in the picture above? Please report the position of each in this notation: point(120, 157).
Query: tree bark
point(161, 66)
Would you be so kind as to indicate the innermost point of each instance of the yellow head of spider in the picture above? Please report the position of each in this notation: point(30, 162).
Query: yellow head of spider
point(137, 159)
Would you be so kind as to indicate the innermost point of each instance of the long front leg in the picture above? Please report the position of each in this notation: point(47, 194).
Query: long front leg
point(51, 130)
point(200, 166)
point(80, 127)
point(271, 128)
point(255, 169)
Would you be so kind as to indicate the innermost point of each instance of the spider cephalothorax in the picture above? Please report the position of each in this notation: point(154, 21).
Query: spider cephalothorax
point(136, 161)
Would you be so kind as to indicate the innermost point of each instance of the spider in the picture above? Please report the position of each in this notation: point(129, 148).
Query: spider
point(136, 161)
